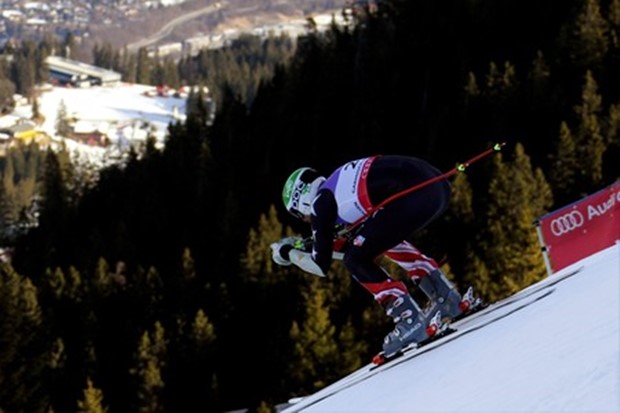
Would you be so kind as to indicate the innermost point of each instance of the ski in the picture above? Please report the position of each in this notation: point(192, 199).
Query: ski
point(380, 358)
point(437, 327)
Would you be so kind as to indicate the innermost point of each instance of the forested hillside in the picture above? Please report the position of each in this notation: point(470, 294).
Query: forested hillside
point(154, 290)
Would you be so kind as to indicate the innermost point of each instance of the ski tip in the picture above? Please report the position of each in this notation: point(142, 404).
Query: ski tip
point(378, 359)
point(431, 330)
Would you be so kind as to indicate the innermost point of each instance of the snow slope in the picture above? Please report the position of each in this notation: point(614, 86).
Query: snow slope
point(553, 347)
point(127, 113)
point(112, 107)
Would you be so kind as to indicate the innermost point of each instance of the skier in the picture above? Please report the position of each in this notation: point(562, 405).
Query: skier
point(349, 196)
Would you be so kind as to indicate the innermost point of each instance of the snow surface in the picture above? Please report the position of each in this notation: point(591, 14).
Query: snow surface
point(110, 107)
point(125, 113)
point(554, 349)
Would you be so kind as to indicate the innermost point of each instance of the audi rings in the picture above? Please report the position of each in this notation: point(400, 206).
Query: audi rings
point(566, 223)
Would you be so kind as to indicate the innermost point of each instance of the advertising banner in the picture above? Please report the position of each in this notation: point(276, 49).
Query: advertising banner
point(581, 229)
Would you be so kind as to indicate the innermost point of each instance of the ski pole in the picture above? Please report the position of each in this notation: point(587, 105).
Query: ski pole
point(460, 167)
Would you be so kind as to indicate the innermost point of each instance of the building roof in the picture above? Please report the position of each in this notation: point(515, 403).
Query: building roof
point(61, 64)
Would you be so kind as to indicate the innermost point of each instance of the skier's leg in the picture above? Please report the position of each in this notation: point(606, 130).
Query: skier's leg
point(410, 259)
point(425, 273)
point(378, 235)
point(393, 296)
point(442, 293)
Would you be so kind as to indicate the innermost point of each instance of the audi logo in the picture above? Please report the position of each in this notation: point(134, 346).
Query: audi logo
point(566, 223)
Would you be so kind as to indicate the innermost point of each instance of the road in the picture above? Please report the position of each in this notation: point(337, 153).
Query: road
point(169, 27)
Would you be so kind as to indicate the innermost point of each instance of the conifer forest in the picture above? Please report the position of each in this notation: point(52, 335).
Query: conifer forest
point(152, 288)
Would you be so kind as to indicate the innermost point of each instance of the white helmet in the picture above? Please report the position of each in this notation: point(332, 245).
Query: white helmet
point(299, 191)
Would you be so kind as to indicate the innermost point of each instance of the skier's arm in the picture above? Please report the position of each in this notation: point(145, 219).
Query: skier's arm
point(315, 255)
point(293, 250)
point(323, 219)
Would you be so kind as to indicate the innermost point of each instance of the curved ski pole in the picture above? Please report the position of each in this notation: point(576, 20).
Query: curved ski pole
point(460, 167)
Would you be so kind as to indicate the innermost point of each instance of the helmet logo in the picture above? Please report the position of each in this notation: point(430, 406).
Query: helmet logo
point(299, 190)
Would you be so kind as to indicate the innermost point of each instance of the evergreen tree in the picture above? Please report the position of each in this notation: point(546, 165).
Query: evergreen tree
point(588, 36)
point(471, 87)
point(477, 275)
point(23, 349)
point(148, 371)
point(612, 130)
point(23, 68)
point(519, 195)
point(8, 206)
point(205, 385)
point(460, 218)
point(540, 85)
point(62, 122)
point(500, 84)
point(257, 260)
point(74, 289)
point(7, 90)
point(564, 166)
point(93, 399)
point(351, 348)
point(56, 282)
point(143, 67)
point(589, 141)
point(314, 339)
point(101, 280)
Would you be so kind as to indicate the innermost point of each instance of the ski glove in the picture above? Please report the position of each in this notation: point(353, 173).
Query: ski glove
point(305, 261)
point(280, 250)
point(292, 250)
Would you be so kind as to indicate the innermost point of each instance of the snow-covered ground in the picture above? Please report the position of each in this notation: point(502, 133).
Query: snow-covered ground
point(555, 348)
point(127, 113)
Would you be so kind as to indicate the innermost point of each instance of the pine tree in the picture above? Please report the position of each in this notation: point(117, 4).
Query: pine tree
point(203, 331)
point(93, 399)
point(477, 275)
point(24, 351)
point(8, 206)
point(539, 78)
point(74, 289)
point(459, 219)
point(564, 166)
point(101, 278)
point(56, 281)
point(519, 195)
point(471, 87)
point(316, 352)
point(461, 201)
point(62, 122)
point(188, 266)
point(143, 67)
point(257, 260)
point(351, 348)
point(500, 84)
point(612, 130)
point(203, 348)
point(588, 36)
point(148, 371)
point(589, 141)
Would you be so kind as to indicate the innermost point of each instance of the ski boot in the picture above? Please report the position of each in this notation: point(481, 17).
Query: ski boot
point(468, 301)
point(469, 305)
point(442, 294)
point(410, 325)
point(436, 326)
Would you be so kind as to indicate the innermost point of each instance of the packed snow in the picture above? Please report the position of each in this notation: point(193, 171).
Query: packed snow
point(555, 348)
point(127, 114)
